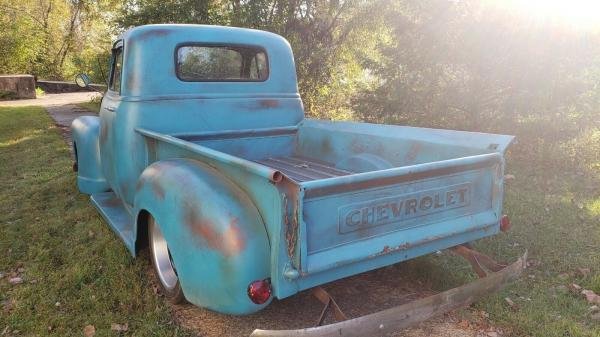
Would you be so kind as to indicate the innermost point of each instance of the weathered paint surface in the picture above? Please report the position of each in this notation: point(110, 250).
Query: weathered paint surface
point(217, 238)
point(244, 188)
point(85, 132)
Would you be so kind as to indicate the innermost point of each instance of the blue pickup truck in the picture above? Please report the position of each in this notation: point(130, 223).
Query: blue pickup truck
point(202, 153)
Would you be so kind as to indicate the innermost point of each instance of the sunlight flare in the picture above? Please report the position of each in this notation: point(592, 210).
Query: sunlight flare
point(582, 14)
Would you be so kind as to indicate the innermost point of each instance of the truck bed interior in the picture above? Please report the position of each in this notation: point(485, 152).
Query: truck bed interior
point(317, 150)
point(303, 169)
point(414, 177)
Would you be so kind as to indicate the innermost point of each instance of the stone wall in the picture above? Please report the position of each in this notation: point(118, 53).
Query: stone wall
point(17, 86)
point(55, 87)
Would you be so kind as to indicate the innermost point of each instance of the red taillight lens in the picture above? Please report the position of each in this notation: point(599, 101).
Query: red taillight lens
point(260, 291)
point(504, 223)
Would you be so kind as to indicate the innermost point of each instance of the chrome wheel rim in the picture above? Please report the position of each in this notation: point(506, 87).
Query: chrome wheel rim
point(161, 256)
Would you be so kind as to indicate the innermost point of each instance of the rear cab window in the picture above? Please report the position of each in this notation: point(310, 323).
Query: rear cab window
point(221, 63)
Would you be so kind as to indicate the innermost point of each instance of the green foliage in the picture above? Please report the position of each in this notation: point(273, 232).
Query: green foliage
point(39, 92)
point(330, 38)
point(55, 39)
point(471, 65)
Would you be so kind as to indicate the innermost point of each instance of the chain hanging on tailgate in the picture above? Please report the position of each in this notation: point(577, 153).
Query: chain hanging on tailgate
point(291, 228)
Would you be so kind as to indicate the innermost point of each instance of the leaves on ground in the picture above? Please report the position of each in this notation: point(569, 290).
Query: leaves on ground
point(89, 331)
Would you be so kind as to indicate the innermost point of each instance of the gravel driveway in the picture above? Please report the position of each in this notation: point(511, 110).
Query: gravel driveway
point(54, 99)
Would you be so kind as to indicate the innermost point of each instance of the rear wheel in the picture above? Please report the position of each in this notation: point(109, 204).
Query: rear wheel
point(162, 262)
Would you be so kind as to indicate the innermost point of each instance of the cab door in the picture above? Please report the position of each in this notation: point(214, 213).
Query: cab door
point(108, 117)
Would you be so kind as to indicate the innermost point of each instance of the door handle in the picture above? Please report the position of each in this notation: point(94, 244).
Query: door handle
point(110, 108)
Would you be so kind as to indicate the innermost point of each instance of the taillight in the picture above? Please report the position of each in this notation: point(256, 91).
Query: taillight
point(260, 291)
point(504, 223)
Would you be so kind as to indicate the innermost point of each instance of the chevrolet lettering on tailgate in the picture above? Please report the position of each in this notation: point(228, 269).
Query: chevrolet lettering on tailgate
point(398, 208)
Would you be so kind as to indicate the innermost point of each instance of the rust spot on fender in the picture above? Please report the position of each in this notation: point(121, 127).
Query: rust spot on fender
point(229, 242)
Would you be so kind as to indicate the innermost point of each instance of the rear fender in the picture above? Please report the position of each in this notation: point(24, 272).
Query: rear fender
point(85, 131)
point(216, 235)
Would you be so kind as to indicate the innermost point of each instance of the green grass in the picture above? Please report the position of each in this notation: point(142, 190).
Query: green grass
point(68, 253)
point(554, 205)
point(547, 207)
point(92, 105)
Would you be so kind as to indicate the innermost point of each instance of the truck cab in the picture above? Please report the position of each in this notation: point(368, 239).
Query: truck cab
point(201, 150)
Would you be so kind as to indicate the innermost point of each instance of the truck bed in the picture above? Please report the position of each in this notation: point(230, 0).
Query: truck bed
point(301, 169)
point(317, 150)
point(363, 195)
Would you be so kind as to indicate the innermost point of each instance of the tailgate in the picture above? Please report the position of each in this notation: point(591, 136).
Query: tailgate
point(356, 217)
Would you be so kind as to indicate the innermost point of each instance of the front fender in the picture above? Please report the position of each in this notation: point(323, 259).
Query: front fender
point(85, 131)
point(217, 238)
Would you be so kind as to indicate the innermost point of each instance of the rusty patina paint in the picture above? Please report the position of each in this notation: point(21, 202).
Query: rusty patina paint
point(139, 185)
point(124, 187)
point(132, 81)
point(413, 152)
point(157, 32)
point(158, 189)
point(357, 145)
point(103, 131)
point(113, 202)
point(326, 148)
point(150, 177)
point(440, 170)
point(268, 103)
point(229, 242)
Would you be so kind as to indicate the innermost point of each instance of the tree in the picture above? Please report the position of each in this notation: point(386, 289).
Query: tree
point(470, 65)
point(47, 37)
point(328, 37)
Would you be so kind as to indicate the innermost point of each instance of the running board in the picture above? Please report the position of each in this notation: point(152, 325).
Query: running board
point(114, 212)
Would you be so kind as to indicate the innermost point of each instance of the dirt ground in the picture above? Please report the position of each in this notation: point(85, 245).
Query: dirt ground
point(358, 295)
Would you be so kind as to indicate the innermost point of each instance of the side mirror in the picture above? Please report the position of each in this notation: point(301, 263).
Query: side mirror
point(82, 80)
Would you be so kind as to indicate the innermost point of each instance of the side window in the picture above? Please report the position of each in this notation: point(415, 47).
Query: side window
point(117, 67)
point(221, 63)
